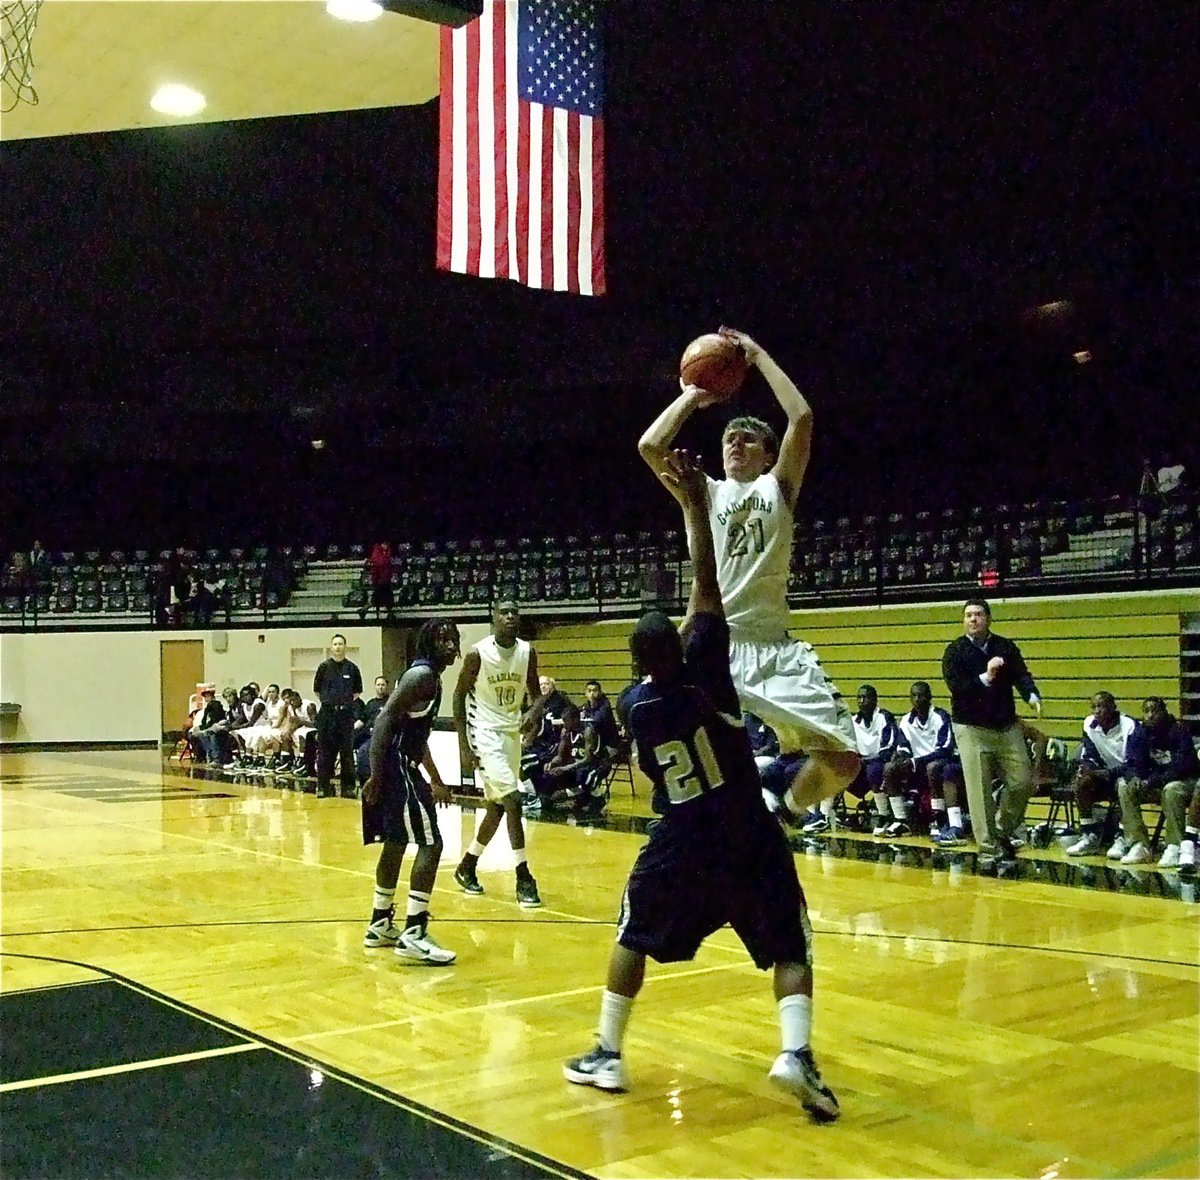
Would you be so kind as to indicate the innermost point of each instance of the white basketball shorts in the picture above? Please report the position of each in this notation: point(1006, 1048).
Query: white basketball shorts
point(783, 683)
point(499, 757)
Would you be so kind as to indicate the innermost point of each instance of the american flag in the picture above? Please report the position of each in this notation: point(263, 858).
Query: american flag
point(521, 163)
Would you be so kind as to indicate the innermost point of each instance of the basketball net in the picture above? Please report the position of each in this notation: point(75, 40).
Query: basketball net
point(18, 19)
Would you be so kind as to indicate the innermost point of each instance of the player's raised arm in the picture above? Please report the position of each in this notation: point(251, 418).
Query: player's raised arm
point(796, 445)
point(685, 478)
point(655, 445)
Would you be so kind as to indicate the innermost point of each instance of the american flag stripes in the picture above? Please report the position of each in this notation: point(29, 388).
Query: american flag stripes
point(521, 160)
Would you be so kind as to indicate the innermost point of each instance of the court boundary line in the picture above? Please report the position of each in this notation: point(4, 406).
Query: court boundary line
point(575, 920)
point(409, 1105)
point(103, 1071)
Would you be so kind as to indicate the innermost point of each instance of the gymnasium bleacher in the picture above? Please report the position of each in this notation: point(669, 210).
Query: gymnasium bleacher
point(1023, 549)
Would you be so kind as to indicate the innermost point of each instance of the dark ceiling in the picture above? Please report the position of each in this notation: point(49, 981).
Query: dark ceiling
point(879, 192)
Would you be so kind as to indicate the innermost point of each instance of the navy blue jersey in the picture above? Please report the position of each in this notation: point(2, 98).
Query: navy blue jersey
point(414, 728)
point(689, 734)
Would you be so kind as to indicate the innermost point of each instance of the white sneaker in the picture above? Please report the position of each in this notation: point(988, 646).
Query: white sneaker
point(1170, 857)
point(1187, 855)
point(599, 1068)
point(1139, 854)
point(1087, 845)
point(882, 823)
point(1118, 849)
point(797, 1073)
point(417, 946)
point(382, 932)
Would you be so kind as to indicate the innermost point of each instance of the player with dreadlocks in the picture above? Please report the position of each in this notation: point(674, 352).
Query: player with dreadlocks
point(398, 802)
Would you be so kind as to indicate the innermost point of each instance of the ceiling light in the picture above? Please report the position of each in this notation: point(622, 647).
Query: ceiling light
point(354, 10)
point(180, 101)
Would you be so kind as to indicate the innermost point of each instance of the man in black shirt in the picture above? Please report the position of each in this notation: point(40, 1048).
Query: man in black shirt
point(981, 670)
point(366, 713)
point(337, 684)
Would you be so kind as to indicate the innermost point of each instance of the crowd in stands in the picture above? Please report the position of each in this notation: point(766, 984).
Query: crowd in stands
point(911, 781)
point(1155, 533)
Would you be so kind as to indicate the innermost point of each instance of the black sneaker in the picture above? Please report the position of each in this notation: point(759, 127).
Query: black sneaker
point(527, 893)
point(467, 881)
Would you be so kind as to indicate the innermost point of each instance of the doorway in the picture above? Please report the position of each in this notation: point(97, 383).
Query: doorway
point(181, 668)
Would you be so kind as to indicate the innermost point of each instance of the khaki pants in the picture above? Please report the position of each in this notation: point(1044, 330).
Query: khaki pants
point(1176, 796)
point(994, 753)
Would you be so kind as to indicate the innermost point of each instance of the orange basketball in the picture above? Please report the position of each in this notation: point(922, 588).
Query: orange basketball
point(714, 363)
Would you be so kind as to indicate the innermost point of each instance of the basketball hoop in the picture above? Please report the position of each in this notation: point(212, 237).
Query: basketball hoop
point(18, 19)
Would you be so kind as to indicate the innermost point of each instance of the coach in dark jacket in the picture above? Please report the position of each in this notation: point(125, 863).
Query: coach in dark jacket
point(981, 670)
point(338, 685)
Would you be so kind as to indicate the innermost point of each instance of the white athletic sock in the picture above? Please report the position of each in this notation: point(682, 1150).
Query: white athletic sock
point(519, 856)
point(383, 898)
point(881, 805)
point(827, 807)
point(900, 807)
point(795, 1022)
point(937, 804)
point(476, 849)
point(614, 1016)
point(418, 903)
point(954, 815)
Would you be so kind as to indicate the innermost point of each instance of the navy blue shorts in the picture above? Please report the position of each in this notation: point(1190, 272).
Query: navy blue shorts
point(720, 859)
point(404, 814)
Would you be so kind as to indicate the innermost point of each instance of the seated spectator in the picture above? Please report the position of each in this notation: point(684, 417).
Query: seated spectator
point(304, 737)
point(251, 709)
point(18, 579)
point(764, 741)
point(263, 740)
point(540, 732)
point(1102, 763)
point(776, 776)
point(569, 777)
point(1162, 763)
point(926, 765)
point(206, 595)
point(598, 714)
point(364, 725)
point(221, 748)
point(203, 735)
point(876, 735)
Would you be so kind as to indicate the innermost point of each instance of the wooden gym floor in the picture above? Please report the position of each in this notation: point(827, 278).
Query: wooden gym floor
point(185, 992)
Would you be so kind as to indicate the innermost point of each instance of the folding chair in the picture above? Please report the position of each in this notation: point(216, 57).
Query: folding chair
point(620, 768)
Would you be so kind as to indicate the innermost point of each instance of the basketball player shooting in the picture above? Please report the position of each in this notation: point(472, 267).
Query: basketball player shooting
point(751, 512)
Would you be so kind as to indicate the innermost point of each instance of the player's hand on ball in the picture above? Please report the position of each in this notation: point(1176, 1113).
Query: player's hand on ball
point(703, 396)
point(751, 348)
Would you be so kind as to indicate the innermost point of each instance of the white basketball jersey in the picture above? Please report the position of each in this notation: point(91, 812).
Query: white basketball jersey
point(495, 701)
point(752, 534)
